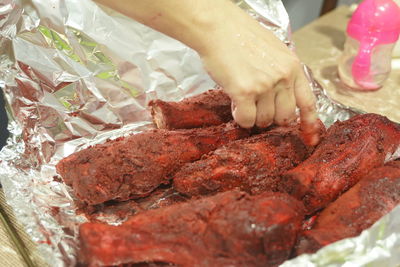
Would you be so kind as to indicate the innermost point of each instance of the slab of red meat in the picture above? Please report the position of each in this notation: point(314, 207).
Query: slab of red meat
point(253, 164)
point(210, 108)
point(113, 211)
point(357, 209)
point(228, 229)
point(133, 166)
point(349, 150)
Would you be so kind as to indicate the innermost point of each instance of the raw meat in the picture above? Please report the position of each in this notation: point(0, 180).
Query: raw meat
point(228, 229)
point(349, 151)
point(131, 167)
point(357, 209)
point(210, 108)
point(252, 165)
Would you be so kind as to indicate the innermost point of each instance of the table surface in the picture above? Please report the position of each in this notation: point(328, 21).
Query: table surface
point(320, 44)
point(327, 31)
point(9, 255)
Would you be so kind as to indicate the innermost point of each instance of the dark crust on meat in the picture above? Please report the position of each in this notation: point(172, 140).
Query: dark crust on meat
point(228, 229)
point(253, 164)
point(356, 210)
point(132, 167)
point(348, 152)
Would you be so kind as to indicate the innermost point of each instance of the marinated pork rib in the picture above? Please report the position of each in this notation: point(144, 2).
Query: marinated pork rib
point(133, 166)
point(210, 108)
point(121, 210)
point(228, 229)
point(357, 209)
point(349, 151)
point(252, 165)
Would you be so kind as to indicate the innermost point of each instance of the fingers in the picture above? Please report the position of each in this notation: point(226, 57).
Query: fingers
point(285, 107)
point(265, 109)
point(244, 111)
point(268, 108)
point(308, 117)
point(278, 104)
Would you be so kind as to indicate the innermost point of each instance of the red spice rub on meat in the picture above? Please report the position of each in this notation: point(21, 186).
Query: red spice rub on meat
point(357, 209)
point(120, 210)
point(349, 150)
point(210, 108)
point(253, 164)
point(133, 166)
point(228, 229)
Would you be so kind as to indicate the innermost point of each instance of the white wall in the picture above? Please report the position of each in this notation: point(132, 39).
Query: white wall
point(302, 12)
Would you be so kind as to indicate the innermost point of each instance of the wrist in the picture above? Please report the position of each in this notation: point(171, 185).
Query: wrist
point(197, 23)
point(200, 29)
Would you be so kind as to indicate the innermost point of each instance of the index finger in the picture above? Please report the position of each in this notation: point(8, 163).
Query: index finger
point(306, 101)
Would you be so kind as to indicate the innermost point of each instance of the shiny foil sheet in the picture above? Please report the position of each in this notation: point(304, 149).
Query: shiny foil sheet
point(75, 74)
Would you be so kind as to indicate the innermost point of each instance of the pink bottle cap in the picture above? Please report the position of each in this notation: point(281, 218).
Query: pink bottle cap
point(373, 23)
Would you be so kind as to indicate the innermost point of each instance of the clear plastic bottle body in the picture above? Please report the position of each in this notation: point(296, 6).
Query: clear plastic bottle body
point(381, 56)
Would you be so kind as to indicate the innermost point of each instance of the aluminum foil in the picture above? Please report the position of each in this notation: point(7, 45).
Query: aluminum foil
point(74, 75)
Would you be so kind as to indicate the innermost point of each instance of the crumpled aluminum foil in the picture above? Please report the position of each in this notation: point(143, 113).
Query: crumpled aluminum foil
point(75, 74)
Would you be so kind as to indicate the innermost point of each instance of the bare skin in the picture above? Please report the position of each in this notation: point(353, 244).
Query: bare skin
point(261, 75)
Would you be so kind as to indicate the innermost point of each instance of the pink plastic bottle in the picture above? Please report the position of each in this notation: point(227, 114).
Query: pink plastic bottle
point(371, 35)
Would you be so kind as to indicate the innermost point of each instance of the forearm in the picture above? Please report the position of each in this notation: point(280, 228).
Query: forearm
point(188, 21)
point(262, 77)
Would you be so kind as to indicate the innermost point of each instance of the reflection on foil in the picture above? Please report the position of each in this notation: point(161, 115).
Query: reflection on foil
point(271, 14)
point(328, 111)
point(377, 246)
point(74, 75)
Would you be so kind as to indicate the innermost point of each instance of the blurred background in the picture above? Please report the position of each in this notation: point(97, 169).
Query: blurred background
point(302, 12)
point(3, 121)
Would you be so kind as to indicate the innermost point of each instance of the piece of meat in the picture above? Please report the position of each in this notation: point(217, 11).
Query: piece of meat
point(162, 197)
point(374, 196)
point(149, 264)
point(117, 211)
point(228, 229)
point(253, 164)
point(349, 150)
point(131, 167)
point(210, 108)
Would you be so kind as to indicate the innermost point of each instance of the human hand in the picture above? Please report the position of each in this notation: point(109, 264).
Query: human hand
point(262, 76)
point(264, 79)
